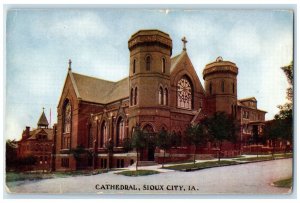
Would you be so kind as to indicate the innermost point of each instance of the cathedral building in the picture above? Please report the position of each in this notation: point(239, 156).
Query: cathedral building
point(161, 92)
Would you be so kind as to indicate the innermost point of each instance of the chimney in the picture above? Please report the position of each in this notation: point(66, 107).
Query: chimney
point(27, 132)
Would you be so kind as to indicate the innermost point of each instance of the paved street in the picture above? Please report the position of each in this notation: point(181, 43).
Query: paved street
point(253, 178)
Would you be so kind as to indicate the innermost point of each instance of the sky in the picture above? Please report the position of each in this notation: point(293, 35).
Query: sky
point(39, 43)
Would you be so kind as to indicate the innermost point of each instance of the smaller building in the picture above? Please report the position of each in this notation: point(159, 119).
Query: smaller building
point(37, 143)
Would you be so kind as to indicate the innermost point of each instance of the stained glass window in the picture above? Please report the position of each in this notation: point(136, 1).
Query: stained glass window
point(184, 93)
point(67, 118)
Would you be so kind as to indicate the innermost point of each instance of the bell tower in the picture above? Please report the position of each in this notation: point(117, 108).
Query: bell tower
point(149, 75)
point(220, 79)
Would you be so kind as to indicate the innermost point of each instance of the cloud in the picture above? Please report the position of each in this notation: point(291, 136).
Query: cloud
point(82, 26)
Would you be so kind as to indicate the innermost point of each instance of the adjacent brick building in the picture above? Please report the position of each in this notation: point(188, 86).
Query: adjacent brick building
point(37, 143)
point(161, 92)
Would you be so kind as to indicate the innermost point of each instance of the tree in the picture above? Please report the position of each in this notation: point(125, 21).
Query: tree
point(273, 131)
point(139, 141)
point(164, 141)
point(11, 154)
point(127, 144)
point(285, 114)
point(221, 127)
point(196, 135)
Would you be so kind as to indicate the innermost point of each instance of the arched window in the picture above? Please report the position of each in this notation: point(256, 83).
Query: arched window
point(210, 88)
point(163, 65)
point(90, 137)
point(148, 63)
point(160, 96)
point(223, 86)
point(131, 97)
point(133, 66)
point(184, 93)
point(67, 117)
point(166, 97)
point(103, 138)
point(148, 129)
point(233, 88)
point(135, 95)
point(120, 131)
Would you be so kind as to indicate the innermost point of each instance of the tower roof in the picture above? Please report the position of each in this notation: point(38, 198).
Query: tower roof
point(43, 120)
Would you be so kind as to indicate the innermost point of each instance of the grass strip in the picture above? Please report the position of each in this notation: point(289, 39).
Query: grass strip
point(201, 165)
point(138, 173)
point(286, 183)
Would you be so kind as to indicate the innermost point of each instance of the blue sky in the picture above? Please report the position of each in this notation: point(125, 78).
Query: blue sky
point(39, 43)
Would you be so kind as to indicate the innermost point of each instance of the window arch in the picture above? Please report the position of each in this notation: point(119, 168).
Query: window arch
point(163, 65)
point(133, 66)
point(135, 95)
point(160, 96)
point(148, 63)
point(148, 129)
point(184, 93)
point(223, 85)
point(120, 131)
point(210, 88)
point(67, 114)
point(103, 135)
point(166, 94)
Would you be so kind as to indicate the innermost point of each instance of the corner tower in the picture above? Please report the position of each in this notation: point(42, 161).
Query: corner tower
point(149, 76)
point(220, 79)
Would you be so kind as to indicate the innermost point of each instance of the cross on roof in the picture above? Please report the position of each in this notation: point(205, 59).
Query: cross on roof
point(70, 63)
point(184, 43)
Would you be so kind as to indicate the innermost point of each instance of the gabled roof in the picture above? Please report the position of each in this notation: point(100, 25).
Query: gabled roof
point(43, 120)
point(175, 60)
point(33, 135)
point(100, 91)
point(247, 99)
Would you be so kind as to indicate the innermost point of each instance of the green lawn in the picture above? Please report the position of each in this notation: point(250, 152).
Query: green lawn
point(203, 165)
point(138, 173)
point(287, 183)
point(266, 158)
point(20, 176)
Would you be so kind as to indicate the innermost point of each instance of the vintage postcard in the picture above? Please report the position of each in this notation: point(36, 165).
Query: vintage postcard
point(149, 101)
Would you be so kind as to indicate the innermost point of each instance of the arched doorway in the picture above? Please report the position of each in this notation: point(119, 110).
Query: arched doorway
point(148, 153)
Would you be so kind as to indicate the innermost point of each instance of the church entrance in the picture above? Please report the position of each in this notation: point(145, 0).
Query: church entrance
point(148, 152)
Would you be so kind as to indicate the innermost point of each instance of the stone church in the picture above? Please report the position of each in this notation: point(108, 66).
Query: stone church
point(161, 92)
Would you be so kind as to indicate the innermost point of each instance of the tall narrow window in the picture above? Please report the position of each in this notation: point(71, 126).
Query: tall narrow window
point(166, 96)
point(90, 137)
point(223, 86)
point(131, 97)
point(148, 63)
point(135, 95)
point(133, 66)
point(184, 93)
point(120, 131)
point(67, 118)
point(103, 135)
point(210, 88)
point(163, 65)
point(160, 96)
point(233, 88)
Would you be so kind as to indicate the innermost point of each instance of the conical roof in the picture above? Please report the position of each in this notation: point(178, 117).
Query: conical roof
point(43, 120)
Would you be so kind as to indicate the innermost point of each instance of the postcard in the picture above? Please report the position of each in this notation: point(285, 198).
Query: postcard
point(149, 101)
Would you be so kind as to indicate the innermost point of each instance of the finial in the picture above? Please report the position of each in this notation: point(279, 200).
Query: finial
point(43, 109)
point(184, 43)
point(70, 63)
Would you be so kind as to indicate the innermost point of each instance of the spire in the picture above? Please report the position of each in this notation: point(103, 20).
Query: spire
point(184, 43)
point(70, 63)
point(43, 122)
